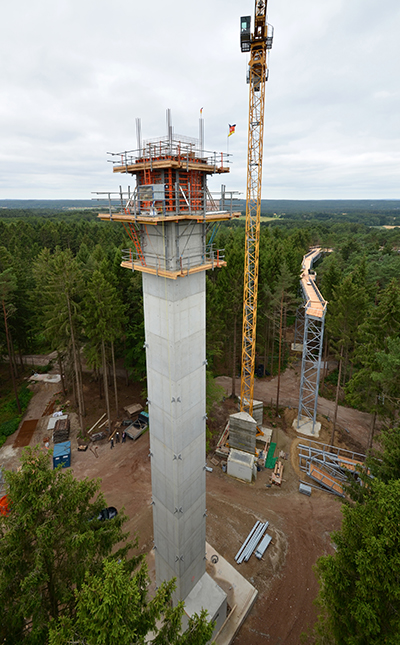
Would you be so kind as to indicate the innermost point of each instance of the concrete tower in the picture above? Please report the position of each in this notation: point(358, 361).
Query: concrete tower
point(167, 217)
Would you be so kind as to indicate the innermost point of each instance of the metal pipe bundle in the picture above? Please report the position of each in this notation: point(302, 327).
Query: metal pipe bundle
point(247, 539)
point(253, 542)
point(262, 547)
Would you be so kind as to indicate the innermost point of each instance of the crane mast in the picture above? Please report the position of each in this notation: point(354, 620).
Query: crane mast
point(257, 43)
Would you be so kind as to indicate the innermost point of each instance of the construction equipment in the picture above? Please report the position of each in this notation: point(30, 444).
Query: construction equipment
point(4, 507)
point(258, 44)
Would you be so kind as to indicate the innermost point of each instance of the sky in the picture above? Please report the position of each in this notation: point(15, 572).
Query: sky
point(74, 76)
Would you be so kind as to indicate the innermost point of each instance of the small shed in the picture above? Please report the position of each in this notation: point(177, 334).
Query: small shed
point(62, 454)
point(304, 489)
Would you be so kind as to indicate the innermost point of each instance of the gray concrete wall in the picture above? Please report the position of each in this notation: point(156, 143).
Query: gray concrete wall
point(174, 246)
point(174, 313)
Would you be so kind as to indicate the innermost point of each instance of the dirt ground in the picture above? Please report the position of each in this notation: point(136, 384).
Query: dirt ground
point(355, 424)
point(300, 526)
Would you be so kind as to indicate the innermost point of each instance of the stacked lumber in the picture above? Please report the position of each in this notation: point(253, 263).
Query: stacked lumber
point(222, 449)
point(61, 431)
point(276, 477)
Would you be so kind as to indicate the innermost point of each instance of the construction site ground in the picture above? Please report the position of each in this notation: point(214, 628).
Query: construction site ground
point(299, 525)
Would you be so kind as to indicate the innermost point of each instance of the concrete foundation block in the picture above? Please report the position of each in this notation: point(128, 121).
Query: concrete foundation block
point(206, 595)
point(242, 432)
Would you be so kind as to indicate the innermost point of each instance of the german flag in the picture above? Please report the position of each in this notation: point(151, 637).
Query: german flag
point(232, 129)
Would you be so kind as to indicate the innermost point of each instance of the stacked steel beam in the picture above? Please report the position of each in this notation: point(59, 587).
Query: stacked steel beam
point(251, 542)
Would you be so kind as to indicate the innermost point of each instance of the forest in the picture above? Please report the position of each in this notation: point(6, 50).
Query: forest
point(62, 289)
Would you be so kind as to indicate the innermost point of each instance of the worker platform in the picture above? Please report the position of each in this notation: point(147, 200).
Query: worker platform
point(171, 188)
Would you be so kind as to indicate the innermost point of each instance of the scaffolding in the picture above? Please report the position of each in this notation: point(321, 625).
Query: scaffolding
point(171, 187)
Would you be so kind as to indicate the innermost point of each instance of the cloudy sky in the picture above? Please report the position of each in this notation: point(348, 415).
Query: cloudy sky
point(74, 75)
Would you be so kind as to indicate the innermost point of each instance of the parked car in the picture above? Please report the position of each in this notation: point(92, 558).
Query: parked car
point(107, 514)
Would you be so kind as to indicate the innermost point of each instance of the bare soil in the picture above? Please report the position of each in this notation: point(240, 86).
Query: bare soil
point(300, 526)
point(352, 423)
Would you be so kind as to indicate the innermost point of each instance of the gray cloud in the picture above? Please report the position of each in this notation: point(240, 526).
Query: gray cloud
point(74, 76)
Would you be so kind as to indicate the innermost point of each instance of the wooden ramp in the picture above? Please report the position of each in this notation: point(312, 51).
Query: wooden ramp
point(327, 481)
point(25, 433)
point(349, 464)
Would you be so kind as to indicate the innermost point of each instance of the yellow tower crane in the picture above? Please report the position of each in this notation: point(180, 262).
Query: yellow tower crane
point(258, 44)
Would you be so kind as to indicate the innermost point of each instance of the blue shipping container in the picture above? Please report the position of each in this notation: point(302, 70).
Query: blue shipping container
point(62, 454)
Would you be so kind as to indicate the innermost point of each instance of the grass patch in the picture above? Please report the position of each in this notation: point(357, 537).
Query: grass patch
point(214, 395)
point(9, 417)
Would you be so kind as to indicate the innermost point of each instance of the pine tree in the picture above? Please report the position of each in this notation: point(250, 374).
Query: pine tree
point(345, 314)
point(104, 318)
point(58, 294)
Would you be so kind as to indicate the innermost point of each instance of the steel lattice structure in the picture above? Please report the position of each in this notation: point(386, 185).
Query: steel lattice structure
point(314, 322)
point(311, 367)
point(259, 43)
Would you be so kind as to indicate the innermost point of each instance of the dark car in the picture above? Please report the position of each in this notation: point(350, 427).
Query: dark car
point(107, 513)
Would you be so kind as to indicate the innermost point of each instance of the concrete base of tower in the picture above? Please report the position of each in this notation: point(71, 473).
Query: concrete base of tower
point(206, 594)
point(240, 595)
point(306, 427)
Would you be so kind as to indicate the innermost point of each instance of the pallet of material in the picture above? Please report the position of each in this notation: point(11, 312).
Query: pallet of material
point(222, 452)
point(222, 449)
point(61, 431)
point(133, 409)
point(276, 477)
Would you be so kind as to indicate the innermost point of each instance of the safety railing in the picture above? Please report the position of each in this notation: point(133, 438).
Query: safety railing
point(157, 200)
